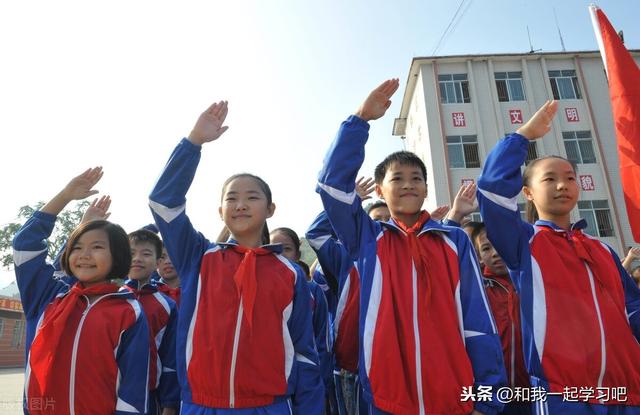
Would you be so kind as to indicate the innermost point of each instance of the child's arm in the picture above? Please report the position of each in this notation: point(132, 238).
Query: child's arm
point(309, 391)
point(132, 359)
point(169, 389)
point(322, 333)
point(168, 202)
point(33, 274)
point(480, 334)
point(332, 255)
point(336, 182)
point(631, 296)
point(501, 182)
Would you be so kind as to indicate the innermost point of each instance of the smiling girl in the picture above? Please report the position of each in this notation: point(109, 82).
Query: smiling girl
point(87, 344)
point(579, 307)
point(245, 339)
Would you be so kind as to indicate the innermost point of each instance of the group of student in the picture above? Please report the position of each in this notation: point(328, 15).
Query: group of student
point(403, 310)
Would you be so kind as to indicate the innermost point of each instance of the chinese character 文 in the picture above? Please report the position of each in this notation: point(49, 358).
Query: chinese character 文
point(458, 119)
point(516, 116)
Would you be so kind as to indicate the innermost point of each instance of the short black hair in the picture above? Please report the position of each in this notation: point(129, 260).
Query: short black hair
point(477, 229)
point(146, 236)
point(402, 157)
point(118, 245)
point(375, 205)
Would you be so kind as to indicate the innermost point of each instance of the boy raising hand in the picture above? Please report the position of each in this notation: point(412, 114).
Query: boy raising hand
point(425, 328)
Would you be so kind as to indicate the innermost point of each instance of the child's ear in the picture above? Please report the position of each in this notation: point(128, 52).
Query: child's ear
point(271, 210)
point(220, 212)
point(527, 193)
point(379, 191)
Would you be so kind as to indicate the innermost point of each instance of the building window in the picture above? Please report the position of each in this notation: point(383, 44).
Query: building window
point(596, 213)
point(579, 146)
point(463, 151)
point(454, 89)
point(1, 327)
point(475, 217)
point(18, 331)
point(564, 84)
point(509, 85)
point(532, 152)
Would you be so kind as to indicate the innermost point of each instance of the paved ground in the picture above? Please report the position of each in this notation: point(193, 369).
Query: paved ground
point(11, 382)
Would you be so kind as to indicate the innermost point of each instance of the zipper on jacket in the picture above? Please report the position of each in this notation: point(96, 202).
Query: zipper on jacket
point(416, 335)
point(74, 353)
point(603, 346)
point(234, 356)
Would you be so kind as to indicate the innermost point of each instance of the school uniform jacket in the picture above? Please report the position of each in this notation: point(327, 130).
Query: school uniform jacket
point(222, 361)
point(335, 259)
point(162, 317)
point(580, 317)
point(322, 331)
point(104, 351)
point(505, 306)
point(421, 339)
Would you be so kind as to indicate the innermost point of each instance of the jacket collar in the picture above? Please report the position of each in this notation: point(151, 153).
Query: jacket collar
point(275, 248)
point(579, 225)
point(430, 225)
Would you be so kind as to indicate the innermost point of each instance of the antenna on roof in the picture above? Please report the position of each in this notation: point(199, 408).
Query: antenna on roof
point(531, 49)
point(555, 16)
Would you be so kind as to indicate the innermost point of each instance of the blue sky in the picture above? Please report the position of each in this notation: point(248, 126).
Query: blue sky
point(118, 84)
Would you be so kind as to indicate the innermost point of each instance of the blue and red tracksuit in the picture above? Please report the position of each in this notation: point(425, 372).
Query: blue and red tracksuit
point(322, 334)
point(162, 317)
point(333, 257)
point(579, 308)
point(102, 359)
point(332, 299)
point(225, 362)
point(505, 307)
point(424, 333)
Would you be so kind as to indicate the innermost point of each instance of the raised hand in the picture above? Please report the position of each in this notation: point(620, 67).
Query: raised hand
point(209, 125)
point(540, 123)
point(378, 100)
point(97, 210)
point(464, 203)
point(365, 187)
point(78, 188)
point(439, 212)
point(81, 186)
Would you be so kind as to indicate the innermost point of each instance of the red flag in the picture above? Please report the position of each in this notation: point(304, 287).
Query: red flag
point(624, 91)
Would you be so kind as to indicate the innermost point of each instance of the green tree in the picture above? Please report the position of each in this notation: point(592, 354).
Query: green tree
point(67, 221)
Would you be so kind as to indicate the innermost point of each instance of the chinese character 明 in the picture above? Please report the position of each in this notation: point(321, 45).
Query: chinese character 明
point(572, 114)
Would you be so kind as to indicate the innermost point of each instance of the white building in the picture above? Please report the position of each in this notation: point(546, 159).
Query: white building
point(455, 108)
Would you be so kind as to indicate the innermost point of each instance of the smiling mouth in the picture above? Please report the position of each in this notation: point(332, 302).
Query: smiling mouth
point(409, 194)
